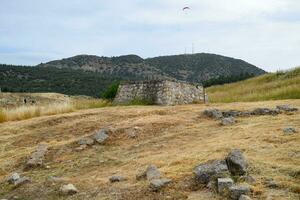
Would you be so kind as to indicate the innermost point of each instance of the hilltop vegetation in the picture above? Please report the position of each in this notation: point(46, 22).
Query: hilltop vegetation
point(92, 75)
point(273, 86)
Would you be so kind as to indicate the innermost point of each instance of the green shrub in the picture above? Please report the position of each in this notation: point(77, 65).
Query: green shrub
point(111, 91)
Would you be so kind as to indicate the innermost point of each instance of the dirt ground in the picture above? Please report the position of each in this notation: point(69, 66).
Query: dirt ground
point(174, 138)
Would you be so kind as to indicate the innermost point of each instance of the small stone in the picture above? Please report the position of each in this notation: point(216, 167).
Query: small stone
point(116, 178)
point(85, 141)
point(21, 181)
point(286, 108)
point(236, 162)
point(150, 173)
point(210, 171)
point(224, 184)
point(54, 179)
point(101, 135)
point(244, 197)
point(157, 184)
point(289, 130)
point(213, 113)
point(68, 189)
point(271, 184)
point(13, 178)
point(237, 191)
point(37, 157)
point(227, 121)
point(81, 147)
point(131, 134)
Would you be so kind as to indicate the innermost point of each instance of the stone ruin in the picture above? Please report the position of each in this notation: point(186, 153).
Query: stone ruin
point(160, 92)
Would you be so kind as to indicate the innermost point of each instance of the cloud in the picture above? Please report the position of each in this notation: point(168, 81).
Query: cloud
point(264, 33)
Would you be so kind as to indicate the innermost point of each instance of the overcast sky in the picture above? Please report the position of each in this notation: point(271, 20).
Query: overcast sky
point(265, 33)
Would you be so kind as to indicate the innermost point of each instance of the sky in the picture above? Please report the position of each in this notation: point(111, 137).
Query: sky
point(265, 33)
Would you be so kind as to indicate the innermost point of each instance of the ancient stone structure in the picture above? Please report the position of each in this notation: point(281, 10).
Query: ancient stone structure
point(161, 92)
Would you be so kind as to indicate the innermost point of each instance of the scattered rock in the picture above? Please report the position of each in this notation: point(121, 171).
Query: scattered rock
point(101, 136)
point(271, 183)
point(131, 133)
point(151, 173)
point(13, 178)
point(232, 113)
point(227, 121)
point(236, 162)
point(157, 184)
point(21, 181)
point(244, 197)
point(116, 178)
point(224, 184)
point(213, 113)
point(211, 171)
point(54, 179)
point(81, 147)
point(265, 111)
point(85, 141)
point(68, 189)
point(36, 159)
point(289, 130)
point(286, 108)
point(237, 191)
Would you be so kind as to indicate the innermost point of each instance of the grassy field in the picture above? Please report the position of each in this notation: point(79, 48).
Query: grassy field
point(174, 138)
point(12, 107)
point(274, 86)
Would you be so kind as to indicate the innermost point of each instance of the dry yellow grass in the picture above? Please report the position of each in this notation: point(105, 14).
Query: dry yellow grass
point(173, 138)
point(31, 111)
point(274, 86)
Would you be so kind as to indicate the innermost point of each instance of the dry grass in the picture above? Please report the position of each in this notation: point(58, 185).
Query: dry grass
point(174, 138)
point(275, 86)
point(31, 111)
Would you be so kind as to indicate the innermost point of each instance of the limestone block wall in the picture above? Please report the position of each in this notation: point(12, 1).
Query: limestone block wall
point(160, 92)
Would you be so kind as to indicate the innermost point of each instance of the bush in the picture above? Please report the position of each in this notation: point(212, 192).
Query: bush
point(111, 91)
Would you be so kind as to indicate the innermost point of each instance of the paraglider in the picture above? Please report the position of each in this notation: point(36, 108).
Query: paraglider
point(186, 8)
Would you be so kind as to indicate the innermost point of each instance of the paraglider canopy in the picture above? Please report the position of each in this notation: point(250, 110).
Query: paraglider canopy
point(186, 8)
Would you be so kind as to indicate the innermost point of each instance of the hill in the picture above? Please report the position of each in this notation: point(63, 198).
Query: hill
point(191, 67)
point(175, 139)
point(91, 75)
point(273, 86)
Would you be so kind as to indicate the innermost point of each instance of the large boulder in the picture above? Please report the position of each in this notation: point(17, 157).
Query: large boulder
point(101, 135)
point(237, 191)
point(236, 162)
point(213, 113)
point(210, 171)
point(37, 158)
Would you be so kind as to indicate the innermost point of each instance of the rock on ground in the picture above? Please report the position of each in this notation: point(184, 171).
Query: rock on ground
point(286, 108)
point(236, 162)
point(289, 130)
point(21, 181)
point(68, 189)
point(213, 113)
point(37, 158)
point(244, 197)
point(13, 178)
point(157, 184)
point(227, 121)
point(116, 178)
point(265, 111)
point(224, 184)
point(211, 171)
point(101, 135)
point(150, 173)
point(237, 191)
